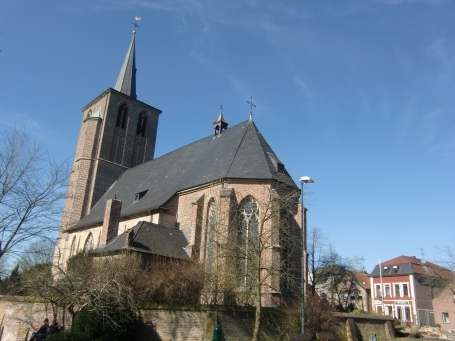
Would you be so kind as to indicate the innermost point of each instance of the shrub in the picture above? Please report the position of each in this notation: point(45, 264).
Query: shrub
point(117, 325)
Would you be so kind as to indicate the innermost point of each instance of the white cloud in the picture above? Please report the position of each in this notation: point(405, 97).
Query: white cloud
point(11, 119)
point(439, 50)
point(302, 85)
point(198, 57)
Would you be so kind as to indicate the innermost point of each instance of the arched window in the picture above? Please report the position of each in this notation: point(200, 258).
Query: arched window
point(73, 247)
point(118, 142)
point(210, 239)
point(88, 243)
point(141, 124)
point(247, 239)
point(122, 115)
point(140, 140)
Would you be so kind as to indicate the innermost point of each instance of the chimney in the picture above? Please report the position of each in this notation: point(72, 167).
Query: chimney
point(111, 221)
point(129, 237)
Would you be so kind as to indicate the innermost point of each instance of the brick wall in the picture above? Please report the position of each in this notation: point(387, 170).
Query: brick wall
point(445, 303)
point(190, 325)
point(93, 170)
point(353, 327)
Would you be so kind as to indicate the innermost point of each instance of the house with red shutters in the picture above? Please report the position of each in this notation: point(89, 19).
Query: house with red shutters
point(404, 288)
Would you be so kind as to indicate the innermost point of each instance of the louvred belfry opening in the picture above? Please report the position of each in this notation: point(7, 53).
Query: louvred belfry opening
point(220, 124)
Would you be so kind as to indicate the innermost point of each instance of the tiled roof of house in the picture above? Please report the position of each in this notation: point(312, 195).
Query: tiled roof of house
point(150, 238)
point(240, 152)
point(362, 279)
point(405, 265)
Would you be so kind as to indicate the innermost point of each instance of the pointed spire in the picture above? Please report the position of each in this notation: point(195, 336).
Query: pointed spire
point(126, 81)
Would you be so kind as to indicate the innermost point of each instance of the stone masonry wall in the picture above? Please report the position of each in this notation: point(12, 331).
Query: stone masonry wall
point(19, 319)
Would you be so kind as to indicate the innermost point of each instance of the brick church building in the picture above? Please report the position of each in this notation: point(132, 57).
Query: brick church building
point(120, 198)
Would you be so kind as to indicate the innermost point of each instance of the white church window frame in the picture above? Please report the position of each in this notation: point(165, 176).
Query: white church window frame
point(210, 239)
point(247, 238)
point(89, 243)
point(73, 247)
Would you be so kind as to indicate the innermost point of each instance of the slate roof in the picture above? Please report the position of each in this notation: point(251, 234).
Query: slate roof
point(239, 152)
point(409, 266)
point(150, 238)
point(126, 81)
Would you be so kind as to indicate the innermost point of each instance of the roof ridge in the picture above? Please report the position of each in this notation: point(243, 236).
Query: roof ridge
point(238, 147)
point(184, 146)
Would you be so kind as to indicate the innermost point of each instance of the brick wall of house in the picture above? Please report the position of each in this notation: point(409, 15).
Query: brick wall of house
point(445, 303)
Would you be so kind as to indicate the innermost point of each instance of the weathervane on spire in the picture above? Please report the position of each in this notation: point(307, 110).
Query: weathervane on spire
point(135, 24)
point(221, 108)
point(251, 108)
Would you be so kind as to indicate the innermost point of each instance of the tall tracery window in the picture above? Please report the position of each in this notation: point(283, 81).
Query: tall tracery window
point(210, 239)
point(73, 247)
point(285, 235)
point(88, 243)
point(118, 142)
point(247, 240)
point(139, 141)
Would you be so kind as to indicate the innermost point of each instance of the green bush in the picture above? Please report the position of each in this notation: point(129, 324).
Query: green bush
point(117, 325)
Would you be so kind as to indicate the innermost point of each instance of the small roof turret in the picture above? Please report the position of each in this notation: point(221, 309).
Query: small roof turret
point(220, 124)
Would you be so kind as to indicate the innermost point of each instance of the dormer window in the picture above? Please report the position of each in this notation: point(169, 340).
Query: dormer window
point(140, 195)
point(395, 269)
point(279, 166)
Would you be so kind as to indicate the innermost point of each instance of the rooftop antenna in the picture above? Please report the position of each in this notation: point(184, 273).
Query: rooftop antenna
point(423, 255)
point(251, 108)
point(136, 19)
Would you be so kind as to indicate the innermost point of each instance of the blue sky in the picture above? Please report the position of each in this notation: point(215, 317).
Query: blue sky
point(359, 95)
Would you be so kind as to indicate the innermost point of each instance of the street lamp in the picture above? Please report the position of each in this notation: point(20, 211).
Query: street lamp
point(304, 275)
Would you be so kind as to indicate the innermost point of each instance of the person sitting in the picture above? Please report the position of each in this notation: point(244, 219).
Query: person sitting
point(41, 333)
point(53, 328)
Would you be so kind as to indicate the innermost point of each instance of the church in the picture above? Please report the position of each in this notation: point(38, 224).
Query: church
point(183, 204)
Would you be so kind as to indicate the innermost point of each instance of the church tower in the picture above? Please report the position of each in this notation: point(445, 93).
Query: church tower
point(117, 132)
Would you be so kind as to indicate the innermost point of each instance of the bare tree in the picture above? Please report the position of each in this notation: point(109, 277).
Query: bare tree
point(336, 278)
point(317, 248)
point(447, 257)
point(96, 284)
point(31, 188)
point(255, 247)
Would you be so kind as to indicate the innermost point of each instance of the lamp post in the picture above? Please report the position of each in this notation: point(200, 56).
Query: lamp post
point(303, 279)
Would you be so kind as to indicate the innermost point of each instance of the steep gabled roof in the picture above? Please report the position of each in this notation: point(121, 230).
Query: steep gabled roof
point(405, 265)
point(150, 238)
point(240, 152)
point(126, 81)
point(362, 280)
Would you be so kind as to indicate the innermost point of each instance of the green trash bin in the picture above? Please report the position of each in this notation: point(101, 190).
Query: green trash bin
point(217, 333)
